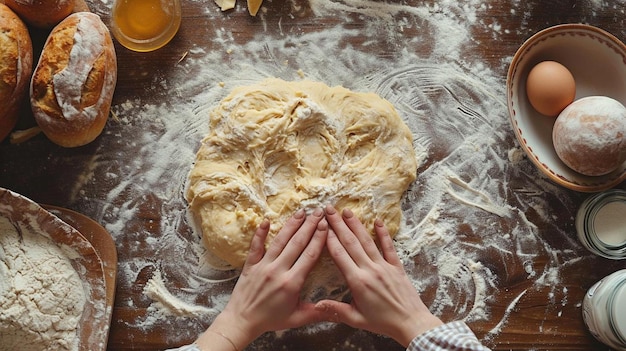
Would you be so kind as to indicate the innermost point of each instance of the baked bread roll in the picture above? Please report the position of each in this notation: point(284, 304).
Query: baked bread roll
point(73, 83)
point(16, 65)
point(589, 135)
point(42, 13)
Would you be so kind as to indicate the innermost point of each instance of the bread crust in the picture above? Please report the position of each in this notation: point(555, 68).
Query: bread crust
point(42, 13)
point(73, 84)
point(16, 64)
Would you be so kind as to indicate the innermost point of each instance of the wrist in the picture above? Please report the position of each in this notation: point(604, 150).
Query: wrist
point(230, 332)
point(413, 328)
point(212, 340)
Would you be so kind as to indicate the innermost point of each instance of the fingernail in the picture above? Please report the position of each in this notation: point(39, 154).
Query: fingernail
point(299, 214)
point(318, 212)
point(347, 213)
point(379, 223)
point(330, 210)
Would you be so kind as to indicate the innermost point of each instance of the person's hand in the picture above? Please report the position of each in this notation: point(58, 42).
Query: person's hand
point(267, 294)
point(383, 299)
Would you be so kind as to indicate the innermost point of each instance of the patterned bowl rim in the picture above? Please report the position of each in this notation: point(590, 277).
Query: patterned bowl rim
point(584, 184)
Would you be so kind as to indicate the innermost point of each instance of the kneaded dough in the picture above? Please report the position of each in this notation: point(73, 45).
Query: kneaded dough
point(278, 146)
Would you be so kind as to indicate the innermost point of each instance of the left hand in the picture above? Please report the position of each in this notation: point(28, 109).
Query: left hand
point(267, 294)
point(384, 301)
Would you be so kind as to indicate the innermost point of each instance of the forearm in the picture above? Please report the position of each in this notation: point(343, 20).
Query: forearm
point(418, 325)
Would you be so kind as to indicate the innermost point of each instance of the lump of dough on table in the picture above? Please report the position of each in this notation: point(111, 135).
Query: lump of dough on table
point(278, 146)
point(253, 5)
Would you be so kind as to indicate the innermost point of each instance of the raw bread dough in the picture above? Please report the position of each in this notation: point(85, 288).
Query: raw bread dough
point(225, 4)
point(253, 5)
point(279, 146)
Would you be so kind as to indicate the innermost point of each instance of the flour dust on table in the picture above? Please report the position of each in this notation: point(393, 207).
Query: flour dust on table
point(471, 174)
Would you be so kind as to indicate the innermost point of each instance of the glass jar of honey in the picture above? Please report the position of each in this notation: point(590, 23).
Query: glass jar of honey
point(145, 25)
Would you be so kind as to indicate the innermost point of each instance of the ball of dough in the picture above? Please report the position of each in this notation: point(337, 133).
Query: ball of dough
point(279, 146)
point(589, 135)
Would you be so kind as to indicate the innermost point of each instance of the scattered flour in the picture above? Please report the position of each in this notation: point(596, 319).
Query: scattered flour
point(40, 304)
point(166, 304)
point(470, 219)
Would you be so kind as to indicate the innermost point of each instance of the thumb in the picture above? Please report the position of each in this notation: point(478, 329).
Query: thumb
point(339, 312)
point(306, 313)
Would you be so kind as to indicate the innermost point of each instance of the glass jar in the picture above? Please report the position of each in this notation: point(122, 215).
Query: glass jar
point(145, 25)
point(603, 310)
point(601, 224)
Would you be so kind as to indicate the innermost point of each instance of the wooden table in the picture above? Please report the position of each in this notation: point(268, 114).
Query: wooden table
point(90, 179)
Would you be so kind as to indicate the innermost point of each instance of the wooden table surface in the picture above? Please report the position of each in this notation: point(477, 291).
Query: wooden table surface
point(522, 314)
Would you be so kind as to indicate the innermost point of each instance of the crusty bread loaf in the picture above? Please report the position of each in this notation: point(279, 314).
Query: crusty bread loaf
point(589, 135)
point(16, 65)
point(73, 83)
point(42, 13)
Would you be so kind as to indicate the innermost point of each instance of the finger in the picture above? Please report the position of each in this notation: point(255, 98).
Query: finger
point(386, 244)
point(300, 241)
point(257, 244)
point(305, 314)
point(340, 312)
point(288, 230)
point(361, 232)
point(312, 252)
point(340, 256)
point(348, 239)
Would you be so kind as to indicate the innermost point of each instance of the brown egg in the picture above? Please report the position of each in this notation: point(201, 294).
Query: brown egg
point(550, 87)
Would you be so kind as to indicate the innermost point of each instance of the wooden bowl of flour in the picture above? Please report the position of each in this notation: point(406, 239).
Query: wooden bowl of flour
point(40, 232)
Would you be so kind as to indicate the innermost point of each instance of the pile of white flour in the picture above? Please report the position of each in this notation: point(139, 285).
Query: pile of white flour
point(40, 304)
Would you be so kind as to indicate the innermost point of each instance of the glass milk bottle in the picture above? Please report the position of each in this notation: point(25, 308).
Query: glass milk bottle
point(604, 310)
point(145, 25)
point(601, 224)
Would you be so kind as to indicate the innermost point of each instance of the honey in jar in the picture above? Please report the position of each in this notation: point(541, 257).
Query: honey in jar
point(145, 25)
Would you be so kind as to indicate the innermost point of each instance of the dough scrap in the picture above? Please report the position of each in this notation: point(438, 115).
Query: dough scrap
point(278, 146)
point(225, 4)
point(253, 5)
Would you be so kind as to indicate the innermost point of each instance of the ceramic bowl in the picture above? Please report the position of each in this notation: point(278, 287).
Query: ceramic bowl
point(597, 60)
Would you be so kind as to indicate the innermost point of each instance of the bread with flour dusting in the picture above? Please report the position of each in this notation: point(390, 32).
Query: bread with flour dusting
point(73, 84)
point(42, 13)
point(16, 65)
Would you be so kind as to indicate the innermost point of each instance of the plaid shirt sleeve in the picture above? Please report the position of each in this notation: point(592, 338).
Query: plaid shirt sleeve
point(454, 336)
point(192, 347)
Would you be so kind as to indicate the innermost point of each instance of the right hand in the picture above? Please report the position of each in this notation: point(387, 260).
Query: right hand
point(267, 294)
point(384, 300)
